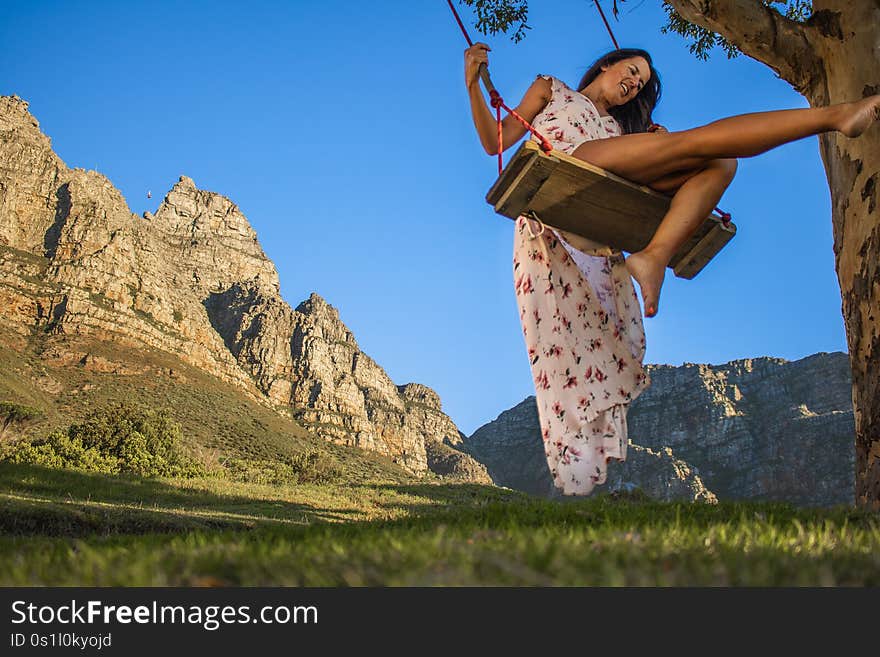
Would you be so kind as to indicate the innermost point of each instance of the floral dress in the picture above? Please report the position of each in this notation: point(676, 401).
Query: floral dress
point(581, 321)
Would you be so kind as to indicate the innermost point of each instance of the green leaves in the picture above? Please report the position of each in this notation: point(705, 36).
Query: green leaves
point(702, 40)
point(16, 415)
point(504, 16)
point(797, 10)
point(120, 439)
point(494, 16)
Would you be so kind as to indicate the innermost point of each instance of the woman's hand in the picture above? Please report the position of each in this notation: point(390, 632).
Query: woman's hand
point(474, 56)
point(656, 127)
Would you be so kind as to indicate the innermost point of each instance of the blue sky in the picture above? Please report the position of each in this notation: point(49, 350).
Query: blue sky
point(342, 130)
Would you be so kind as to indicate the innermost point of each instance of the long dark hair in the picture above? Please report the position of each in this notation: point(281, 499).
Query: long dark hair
point(634, 116)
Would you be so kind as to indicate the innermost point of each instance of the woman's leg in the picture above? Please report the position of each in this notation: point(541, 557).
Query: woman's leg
point(646, 157)
point(691, 204)
point(665, 160)
point(670, 184)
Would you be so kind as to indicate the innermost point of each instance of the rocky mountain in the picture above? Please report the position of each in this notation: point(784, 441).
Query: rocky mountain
point(191, 281)
point(513, 452)
point(761, 428)
point(153, 302)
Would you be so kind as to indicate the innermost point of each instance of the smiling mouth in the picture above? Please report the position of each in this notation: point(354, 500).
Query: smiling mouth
point(624, 88)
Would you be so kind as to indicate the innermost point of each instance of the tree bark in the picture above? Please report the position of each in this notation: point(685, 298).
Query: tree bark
point(834, 57)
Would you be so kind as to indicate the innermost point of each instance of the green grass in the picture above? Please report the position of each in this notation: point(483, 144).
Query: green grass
point(70, 528)
point(218, 421)
point(370, 523)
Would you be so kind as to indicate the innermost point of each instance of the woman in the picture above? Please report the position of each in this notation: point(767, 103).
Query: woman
point(696, 165)
point(578, 308)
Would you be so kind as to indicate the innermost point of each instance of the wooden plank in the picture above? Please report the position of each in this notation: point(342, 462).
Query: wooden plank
point(688, 247)
point(598, 208)
point(703, 251)
point(510, 175)
point(578, 197)
point(535, 169)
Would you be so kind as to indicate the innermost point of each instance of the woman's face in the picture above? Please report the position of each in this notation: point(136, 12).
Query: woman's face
point(623, 80)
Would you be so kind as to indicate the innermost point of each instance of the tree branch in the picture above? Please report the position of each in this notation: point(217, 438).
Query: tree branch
point(762, 33)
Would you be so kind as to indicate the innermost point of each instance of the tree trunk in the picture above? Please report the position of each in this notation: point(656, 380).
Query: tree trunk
point(851, 55)
point(834, 57)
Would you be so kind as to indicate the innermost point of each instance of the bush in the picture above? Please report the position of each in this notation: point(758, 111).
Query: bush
point(311, 466)
point(16, 416)
point(121, 439)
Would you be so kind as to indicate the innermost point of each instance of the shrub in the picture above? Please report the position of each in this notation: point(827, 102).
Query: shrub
point(120, 439)
point(311, 466)
point(16, 415)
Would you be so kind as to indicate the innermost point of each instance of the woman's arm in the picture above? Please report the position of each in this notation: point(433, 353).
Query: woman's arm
point(535, 99)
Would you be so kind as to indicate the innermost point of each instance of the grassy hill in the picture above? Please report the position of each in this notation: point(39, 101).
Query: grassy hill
point(219, 422)
point(73, 528)
point(338, 516)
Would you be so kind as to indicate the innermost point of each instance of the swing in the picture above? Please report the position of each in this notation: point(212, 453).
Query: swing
point(562, 190)
point(580, 198)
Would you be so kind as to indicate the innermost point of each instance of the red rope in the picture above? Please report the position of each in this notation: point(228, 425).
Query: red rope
point(607, 26)
point(460, 24)
point(724, 216)
point(498, 103)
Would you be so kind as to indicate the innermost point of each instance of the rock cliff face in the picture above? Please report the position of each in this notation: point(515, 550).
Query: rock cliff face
point(760, 428)
point(513, 452)
point(192, 281)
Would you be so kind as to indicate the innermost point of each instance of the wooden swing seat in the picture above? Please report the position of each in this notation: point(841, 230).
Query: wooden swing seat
point(577, 197)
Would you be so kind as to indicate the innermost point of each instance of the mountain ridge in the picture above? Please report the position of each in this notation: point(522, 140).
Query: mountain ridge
point(88, 287)
point(753, 428)
point(191, 280)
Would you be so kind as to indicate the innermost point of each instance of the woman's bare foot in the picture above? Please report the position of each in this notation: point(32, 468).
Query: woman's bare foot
point(859, 115)
point(648, 272)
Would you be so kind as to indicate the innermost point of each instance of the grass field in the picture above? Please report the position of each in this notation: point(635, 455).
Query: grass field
point(354, 518)
point(216, 419)
point(65, 528)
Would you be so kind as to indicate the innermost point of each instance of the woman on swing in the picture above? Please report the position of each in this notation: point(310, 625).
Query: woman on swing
point(695, 165)
point(578, 308)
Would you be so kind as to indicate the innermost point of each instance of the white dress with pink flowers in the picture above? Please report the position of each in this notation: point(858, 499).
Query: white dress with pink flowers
point(581, 321)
